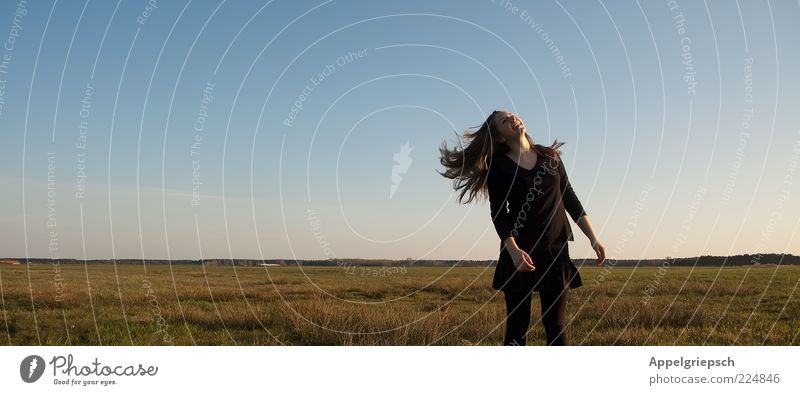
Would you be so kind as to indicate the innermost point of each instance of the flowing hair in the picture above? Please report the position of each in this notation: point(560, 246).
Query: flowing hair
point(468, 166)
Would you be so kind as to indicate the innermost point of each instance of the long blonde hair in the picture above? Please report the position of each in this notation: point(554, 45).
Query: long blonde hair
point(469, 167)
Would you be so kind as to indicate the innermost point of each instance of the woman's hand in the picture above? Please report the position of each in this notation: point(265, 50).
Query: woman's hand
point(586, 226)
point(600, 249)
point(522, 261)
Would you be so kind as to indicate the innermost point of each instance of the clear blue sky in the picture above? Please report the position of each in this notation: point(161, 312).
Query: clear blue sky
point(680, 120)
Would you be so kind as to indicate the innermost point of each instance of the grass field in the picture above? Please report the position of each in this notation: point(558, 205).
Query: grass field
point(188, 305)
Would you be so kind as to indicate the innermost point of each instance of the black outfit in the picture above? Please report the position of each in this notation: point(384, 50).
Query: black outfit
point(532, 205)
point(554, 315)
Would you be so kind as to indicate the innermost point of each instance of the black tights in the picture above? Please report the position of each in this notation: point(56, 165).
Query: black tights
point(554, 315)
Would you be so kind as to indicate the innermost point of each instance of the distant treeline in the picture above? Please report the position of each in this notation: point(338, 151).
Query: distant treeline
point(703, 260)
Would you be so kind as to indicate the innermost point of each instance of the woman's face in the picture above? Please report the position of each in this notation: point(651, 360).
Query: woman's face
point(508, 126)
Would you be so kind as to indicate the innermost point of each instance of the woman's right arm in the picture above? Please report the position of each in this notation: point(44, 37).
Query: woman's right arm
point(498, 189)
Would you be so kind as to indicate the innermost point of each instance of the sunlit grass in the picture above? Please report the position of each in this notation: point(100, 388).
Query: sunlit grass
point(183, 305)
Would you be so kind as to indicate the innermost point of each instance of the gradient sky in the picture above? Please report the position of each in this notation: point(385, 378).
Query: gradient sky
point(664, 166)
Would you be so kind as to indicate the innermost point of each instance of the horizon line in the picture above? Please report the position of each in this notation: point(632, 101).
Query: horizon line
point(371, 258)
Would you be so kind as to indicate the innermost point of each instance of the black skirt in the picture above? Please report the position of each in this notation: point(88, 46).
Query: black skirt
point(554, 270)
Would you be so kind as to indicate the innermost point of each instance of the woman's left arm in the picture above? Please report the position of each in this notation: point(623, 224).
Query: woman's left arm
point(586, 227)
point(578, 214)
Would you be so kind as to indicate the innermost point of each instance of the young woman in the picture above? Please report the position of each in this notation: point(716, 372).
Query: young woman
point(529, 199)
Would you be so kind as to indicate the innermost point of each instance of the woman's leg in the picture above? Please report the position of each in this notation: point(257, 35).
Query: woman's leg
point(518, 317)
point(554, 315)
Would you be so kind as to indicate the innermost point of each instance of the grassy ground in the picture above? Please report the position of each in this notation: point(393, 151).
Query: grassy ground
point(187, 305)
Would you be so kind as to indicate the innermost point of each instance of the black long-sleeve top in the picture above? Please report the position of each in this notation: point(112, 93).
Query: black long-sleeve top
point(532, 205)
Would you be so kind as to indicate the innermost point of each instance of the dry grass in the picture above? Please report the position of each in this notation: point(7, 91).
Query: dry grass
point(186, 305)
